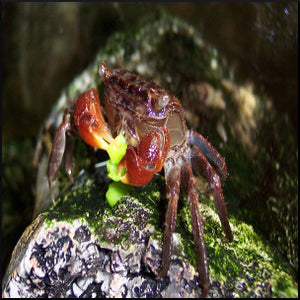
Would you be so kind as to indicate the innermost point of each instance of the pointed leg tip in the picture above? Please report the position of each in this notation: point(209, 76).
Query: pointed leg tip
point(204, 291)
point(51, 192)
point(162, 273)
point(52, 198)
point(229, 236)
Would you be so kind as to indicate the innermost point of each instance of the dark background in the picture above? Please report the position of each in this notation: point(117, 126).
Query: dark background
point(46, 44)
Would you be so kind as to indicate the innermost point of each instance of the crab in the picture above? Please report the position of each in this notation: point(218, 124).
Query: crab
point(152, 122)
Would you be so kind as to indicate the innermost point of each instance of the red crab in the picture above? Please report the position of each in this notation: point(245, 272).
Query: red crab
point(151, 119)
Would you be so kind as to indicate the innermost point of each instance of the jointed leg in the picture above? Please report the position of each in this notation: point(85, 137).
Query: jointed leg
point(58, 150)
point(190, 188)
point(202, 167)
point(209, 152)
point(173, 189)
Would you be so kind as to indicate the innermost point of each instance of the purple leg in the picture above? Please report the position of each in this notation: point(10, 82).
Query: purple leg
point(189, 185)
point(209, 152)
point(173, 189)
point(202, 167)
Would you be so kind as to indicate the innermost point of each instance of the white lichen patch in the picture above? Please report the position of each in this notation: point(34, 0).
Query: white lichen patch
point(53, 250)
point(84, 82)
point(77, 291)
point(214, 64)
point(117, 285)
point(62, 102)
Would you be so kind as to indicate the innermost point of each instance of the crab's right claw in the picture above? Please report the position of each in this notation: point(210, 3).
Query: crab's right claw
point(138, 167)
point(90, 121)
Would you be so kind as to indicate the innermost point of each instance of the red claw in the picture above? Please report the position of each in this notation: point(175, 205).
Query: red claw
point(149, 159)
point(135, 173)
point(90, 121)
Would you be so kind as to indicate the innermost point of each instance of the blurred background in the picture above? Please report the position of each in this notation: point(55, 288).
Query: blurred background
point(45, 45)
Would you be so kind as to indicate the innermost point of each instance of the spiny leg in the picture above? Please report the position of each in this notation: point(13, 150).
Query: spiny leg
point(209, 152)
point(173, 189)
point(202, 167)
point(189, 185)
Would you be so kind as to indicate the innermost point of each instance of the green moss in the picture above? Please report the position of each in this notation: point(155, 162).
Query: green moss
point(247, 256)
point(85, 202)
point(283, 285)
point(88, 204)
point(247, 259)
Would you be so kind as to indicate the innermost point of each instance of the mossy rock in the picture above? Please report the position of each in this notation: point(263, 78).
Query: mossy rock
point(83, 247)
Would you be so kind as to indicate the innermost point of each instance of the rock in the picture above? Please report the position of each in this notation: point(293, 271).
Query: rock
point(84, 248)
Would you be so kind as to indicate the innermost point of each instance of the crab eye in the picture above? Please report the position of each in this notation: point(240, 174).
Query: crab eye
point(162, 101)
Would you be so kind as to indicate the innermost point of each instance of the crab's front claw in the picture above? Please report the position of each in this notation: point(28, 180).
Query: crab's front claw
point(138, 168)
point(131, 169)
point(90, 121)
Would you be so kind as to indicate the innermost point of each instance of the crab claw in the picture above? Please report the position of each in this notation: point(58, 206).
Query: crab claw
point(90, 121)
point(138, 168)
point(132, 171)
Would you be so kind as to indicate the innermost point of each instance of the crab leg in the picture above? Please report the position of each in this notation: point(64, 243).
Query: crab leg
point(173, 189)
point(202, 167)
point(58, 149)
point(209, 152)
point(68, 155)
point(141, 166)
point(189, 185)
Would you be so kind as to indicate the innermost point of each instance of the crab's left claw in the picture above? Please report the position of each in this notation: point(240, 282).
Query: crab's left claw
point(83, 116)
point(90, 121)
point(138, 168)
